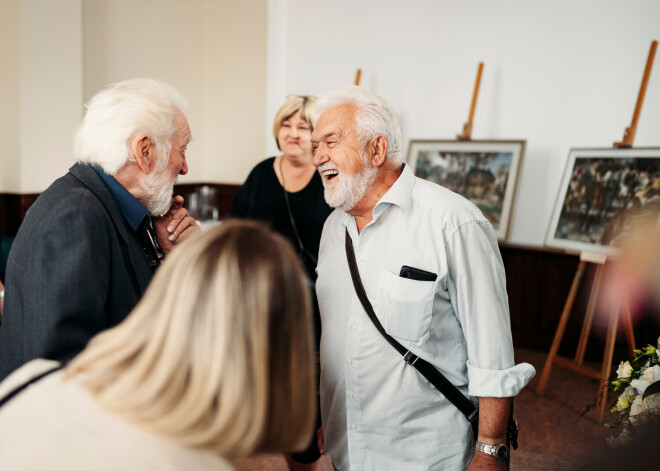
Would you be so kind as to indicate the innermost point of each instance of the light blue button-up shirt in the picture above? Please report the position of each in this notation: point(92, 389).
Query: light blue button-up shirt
point(379, 413)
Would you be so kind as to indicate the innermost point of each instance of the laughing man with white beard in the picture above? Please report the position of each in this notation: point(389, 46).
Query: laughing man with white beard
point(87, 250)
point(378, 412)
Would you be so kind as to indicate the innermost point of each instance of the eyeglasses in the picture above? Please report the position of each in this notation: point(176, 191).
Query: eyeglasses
point(304, 97)
point(157, 250)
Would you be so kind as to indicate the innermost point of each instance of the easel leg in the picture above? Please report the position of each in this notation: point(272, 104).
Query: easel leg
point(559, 334)
point(607, 363)
point(589, 317)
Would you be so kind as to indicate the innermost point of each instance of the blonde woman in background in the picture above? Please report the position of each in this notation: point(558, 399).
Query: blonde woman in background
point(213, 364)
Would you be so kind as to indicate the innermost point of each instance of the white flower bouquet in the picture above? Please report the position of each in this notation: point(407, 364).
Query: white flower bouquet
point(639, 401)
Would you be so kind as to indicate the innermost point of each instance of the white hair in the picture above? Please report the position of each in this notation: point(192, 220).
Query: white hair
point(374, 116)
point(119, 113)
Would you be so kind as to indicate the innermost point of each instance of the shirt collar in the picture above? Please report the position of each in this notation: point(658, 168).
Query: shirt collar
point(400, 194)
point(133, 211)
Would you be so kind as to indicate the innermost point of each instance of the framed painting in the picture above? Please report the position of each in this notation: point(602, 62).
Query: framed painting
point(485, 172)
point(603, 194)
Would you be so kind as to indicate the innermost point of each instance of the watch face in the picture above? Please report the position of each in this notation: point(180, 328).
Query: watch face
point(501, 452)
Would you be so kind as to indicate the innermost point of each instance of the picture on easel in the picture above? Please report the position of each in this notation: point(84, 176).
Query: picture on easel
point(603, 194)
point(485, 172)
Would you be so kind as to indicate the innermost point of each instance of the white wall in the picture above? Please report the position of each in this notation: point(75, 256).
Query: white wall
point(9, 102)
point(559, 74)
point(234, 88)
point(50, 88)
point(213, 51)
point(41, 90)
point(56, 55)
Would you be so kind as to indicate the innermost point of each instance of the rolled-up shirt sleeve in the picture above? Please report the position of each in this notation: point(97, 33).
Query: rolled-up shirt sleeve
point(477, 290)
point(499, 383)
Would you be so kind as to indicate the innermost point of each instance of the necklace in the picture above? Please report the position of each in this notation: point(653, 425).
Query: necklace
point(304, 254)
point(288, 206)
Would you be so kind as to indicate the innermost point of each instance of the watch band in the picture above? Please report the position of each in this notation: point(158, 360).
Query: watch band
point(500, 452)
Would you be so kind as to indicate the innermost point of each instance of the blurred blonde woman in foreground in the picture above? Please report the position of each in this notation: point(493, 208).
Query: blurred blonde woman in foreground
point(213, 364)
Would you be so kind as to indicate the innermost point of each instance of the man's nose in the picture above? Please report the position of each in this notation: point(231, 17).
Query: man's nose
point(319, 157)
point(184, 167)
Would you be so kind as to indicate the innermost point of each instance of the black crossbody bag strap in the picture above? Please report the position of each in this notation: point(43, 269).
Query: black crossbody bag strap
point(21, 387)
point(437, 379)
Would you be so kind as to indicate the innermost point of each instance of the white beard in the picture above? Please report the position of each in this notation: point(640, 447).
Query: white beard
point(159, 190)
point(348, 190)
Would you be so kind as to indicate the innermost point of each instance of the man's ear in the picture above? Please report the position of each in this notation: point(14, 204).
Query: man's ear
point(378, 150)
point(144, 152)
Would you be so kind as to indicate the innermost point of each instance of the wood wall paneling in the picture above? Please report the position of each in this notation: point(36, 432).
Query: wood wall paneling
point(12, 211)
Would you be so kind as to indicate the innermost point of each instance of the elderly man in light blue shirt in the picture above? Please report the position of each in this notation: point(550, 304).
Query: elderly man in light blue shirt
point(379, 412)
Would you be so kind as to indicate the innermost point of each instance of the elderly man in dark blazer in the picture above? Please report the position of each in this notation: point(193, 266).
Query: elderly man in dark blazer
point(88, 247)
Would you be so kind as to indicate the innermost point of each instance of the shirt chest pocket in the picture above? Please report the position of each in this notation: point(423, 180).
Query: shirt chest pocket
point(407, 307)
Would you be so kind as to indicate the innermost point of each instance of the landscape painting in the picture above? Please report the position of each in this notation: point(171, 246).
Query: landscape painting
point(603, 195)
point(485, 172)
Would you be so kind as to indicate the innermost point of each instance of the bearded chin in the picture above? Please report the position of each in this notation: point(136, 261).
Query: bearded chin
point(159, 190)
point(349, 190)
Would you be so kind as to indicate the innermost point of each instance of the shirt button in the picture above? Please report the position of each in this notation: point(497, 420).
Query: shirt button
point(350, 395)
point(349, 362)
point(353, 427)
point(353, 329)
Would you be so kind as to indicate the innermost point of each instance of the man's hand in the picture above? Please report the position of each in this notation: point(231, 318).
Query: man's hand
point(174, 226)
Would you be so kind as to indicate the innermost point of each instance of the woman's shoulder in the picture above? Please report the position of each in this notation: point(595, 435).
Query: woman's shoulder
point(262, 172)
point(63, 415)
point(265, 165)
point(24, 374)
point(262, 177)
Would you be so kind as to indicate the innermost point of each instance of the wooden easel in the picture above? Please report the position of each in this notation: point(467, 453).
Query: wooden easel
point(576, 364)
point(616, 311)
point(358, 75)
point(629, 134)
point(467, 127)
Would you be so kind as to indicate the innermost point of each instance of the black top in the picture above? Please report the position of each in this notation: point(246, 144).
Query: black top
point(261, 197)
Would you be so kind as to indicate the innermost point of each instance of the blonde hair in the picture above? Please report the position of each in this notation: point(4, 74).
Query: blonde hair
point(304, 105)
point(218, 354)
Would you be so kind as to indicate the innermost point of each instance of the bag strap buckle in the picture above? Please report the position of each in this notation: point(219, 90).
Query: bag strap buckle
point(410, 358)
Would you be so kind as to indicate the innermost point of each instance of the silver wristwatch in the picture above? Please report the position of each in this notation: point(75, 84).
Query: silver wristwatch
point(500, 452)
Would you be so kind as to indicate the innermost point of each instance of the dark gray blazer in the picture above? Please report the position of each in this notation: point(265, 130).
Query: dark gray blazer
point(75, 268)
